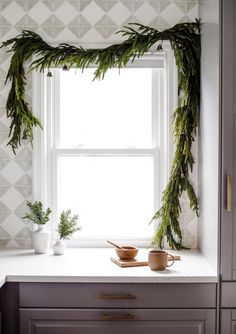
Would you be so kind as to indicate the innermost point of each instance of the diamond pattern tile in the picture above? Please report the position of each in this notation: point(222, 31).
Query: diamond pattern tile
point(92, 13)
point(24, 185)
point(119, 13)
point(106, 27)
point(79, 26)
point(4, 212)
point(26, 23)
point(5, 159)
point(39, 13)
point(5, 26)
point(66, 13)
point(4, 185)
point(24, 159)
point(146, 13)
point(4, 237)
point(52, 26)
point(13, 13)
point(89, 21)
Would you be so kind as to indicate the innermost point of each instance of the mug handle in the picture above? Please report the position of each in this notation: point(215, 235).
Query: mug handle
point(173, 260)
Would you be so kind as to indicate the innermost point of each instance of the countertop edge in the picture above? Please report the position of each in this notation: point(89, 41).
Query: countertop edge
point(109, 279)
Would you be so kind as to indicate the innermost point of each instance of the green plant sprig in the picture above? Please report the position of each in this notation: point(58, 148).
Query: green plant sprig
point(185, 42)
point(68, 225)
point(37, 215)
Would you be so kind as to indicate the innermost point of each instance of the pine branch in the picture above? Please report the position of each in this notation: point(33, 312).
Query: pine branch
point(185, 42)
point(37, 215)
point(68, 225)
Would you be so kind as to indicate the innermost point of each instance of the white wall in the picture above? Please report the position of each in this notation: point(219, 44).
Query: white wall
point(209, 131)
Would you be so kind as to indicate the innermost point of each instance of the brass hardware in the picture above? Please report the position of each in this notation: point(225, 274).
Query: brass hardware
point(118, 297)
point(229, 194)
point(117, 317)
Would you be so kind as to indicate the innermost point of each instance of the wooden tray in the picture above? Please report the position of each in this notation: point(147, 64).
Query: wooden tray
point(136, 262)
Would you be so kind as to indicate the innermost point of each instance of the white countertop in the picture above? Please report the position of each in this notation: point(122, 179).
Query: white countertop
point(94, 265)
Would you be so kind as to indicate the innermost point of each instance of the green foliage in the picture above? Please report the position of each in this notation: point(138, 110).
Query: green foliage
point(37, 215)
point(67, 225)
point(185, 42)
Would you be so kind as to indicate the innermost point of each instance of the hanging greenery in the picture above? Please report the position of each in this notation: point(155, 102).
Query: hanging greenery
point(185, 42)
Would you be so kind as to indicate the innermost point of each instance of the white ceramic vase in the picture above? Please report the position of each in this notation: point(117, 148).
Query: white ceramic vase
point(41, 240)
point(59, 247)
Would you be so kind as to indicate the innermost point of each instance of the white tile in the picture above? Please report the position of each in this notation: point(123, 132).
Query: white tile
point(13, 13)
point(12, 225)
point(172, 14)
point(145, 13)
point(12, 198)
point(12, 172)
point(119, 13)
point(66, 13)
point(39, 13)
point(93, 13)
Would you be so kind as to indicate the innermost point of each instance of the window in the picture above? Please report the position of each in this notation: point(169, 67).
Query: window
point(105, 149)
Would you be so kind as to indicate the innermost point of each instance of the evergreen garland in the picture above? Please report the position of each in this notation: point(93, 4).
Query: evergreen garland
point(185, 42)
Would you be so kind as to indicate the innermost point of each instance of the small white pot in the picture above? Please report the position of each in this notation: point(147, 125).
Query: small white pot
point(59, 247)
point(41, 240)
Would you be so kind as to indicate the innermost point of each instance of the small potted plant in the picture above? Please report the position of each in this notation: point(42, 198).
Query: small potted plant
point(66, 228)
point(41, 237)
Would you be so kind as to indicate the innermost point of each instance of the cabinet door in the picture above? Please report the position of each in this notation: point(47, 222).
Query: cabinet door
point(228, 199)
point(228, 321)
point(71, 321)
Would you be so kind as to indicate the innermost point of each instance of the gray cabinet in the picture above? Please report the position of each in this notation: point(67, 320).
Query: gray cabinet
point(112, 308)
point(228, 200)
point(228, 321)
point(133, 321)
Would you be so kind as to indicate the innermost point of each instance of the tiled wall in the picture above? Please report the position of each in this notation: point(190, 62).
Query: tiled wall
point(77, 21)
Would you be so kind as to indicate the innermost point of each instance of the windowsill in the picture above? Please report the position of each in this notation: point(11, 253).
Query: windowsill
point(94, 265)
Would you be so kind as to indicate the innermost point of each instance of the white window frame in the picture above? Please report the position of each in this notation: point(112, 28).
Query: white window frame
point(45, 154)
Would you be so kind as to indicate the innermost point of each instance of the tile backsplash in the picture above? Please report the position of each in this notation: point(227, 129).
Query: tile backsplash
point(75, 21)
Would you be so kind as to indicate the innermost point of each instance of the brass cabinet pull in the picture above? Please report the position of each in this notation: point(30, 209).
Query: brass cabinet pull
point(229, 194)
point(117, 317)
point(118, 297)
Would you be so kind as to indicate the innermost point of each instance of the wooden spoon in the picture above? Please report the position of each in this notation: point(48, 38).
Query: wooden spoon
point(112, 243)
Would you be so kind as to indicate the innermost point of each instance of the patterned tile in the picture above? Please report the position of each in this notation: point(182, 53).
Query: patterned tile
point(24, 237)
point(79, 26)
point(13, 12)
point(40, 12)
point(4, 212)
point(24, 185)
point(159, 6)
point(52, 26)
point(4, 185)
point(92, 13)
point(65, 13)
point(26, 23)
point(106, 27)
point(146, 13)
point(5, 26)
point(5, 159)
point(4, 237)
point(91, 21)
point(185, 6)
point(24, 158)
point(119, 14)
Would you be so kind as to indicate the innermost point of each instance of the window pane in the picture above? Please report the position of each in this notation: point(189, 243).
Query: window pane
point(112, 195)
point(114, 112)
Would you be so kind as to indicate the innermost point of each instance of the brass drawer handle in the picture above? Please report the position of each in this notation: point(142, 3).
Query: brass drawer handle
point(117, 317)
point(229, 194)
point(118, 297)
